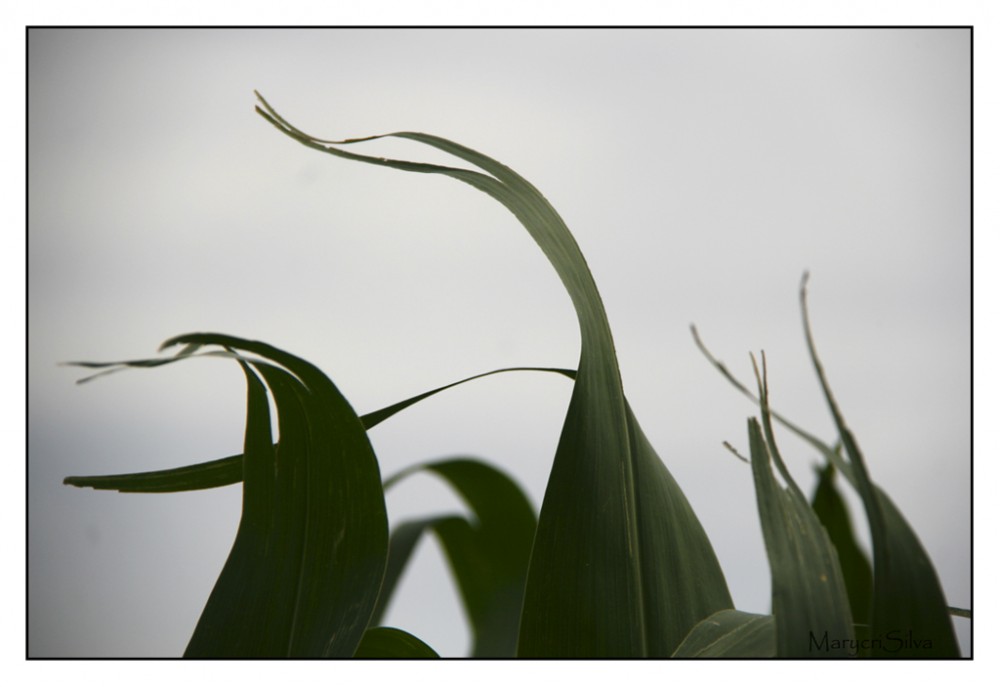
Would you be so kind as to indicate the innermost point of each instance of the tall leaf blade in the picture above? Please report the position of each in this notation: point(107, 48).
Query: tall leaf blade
point(327, 533)
point(304, 572)
point(910, 617)
point(594, 575)
point(239, 619)
point(811, 611)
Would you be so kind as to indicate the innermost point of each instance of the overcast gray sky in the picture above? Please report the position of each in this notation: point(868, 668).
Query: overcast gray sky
point(701, 171)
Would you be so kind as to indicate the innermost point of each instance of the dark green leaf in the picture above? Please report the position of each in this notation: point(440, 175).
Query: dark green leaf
point(390, 642)
point(831, 510)
point(374, 418)
point(229, 470)
point(603, 576)
point(402, 541)
point(907, 602)
point(809, 601)
point(215, 473)
point(907, 572)
point(304, 572)
point(488, 556)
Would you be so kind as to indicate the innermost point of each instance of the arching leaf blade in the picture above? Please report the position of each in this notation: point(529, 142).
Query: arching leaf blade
point(208, 475)
point(229, 470)
point(587, 580)
point(239, 619)
point(376, 417)
point(488, 554)
point(909, 610)
point(910, 570)
point(304, 572)
point(403, 541)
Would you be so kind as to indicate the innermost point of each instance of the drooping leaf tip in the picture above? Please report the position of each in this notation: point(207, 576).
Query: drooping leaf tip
point(732, 449)
point(698, 342)
point(170, 343)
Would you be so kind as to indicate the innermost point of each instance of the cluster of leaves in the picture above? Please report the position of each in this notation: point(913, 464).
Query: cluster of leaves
point(615, 565)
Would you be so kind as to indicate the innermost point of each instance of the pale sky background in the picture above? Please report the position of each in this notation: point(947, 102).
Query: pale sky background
point(701, 171)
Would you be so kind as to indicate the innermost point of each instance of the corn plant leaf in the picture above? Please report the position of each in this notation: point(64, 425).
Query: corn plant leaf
point(907, 573)
point(488, 554)
point(402, 541)
point(304, 571)
point(222, 472)
point(208, 475)
point(372, 419)
point(811, 609)
point(391, 642)
point(614, 530)
point(830, 508)
point(909, 614)
point(730, 634)
point(494, 633)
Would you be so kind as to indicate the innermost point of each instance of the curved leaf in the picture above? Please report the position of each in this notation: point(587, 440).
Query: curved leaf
point(214, 473)
point(907, 603)
point(305, 568)
point(391, 642)
point(488, 556)
point(229, 470)
point(402, 541)
point(811, 610)
point(613, 522)
point(374, 418)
